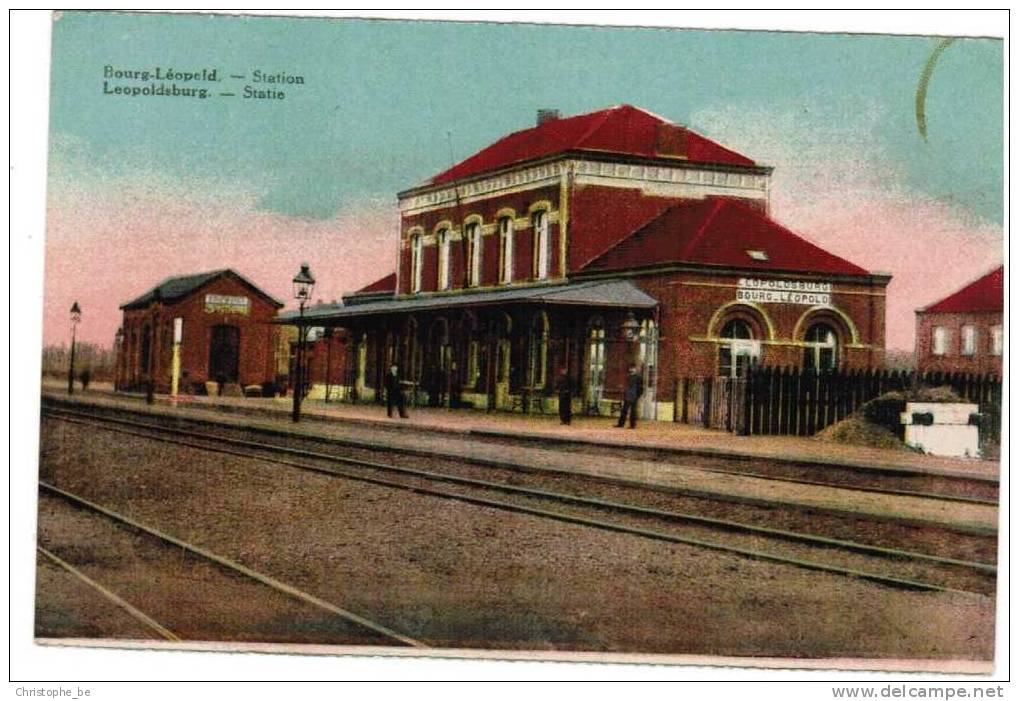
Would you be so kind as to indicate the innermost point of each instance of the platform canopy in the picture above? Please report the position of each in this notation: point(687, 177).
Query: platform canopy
point(608, 293)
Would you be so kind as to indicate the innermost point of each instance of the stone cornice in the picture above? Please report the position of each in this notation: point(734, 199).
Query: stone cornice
point(547, 171)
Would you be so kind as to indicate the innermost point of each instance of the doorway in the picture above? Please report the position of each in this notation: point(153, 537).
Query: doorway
point(224, 353)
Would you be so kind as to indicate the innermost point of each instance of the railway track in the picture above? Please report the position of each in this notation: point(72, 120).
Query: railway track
point(377, 631)
point(889, 566)
point(970, 489)
point(897, 481)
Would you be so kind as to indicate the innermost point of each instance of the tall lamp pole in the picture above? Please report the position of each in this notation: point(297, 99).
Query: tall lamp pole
point(75, 320)
point(303, 285)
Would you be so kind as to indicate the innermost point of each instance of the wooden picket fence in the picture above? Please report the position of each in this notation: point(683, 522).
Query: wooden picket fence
point(793, 401)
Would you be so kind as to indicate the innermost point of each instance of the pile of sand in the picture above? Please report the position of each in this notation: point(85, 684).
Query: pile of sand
point(856, 430)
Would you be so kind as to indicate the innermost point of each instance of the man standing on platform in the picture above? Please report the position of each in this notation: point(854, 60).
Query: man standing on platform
point(631, 395)
point(394, 393)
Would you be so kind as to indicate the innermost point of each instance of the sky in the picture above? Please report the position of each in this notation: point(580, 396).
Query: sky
point(141, 188)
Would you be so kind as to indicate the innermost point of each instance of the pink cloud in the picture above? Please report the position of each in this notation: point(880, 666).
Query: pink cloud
point(834, 186)
point(104, 247)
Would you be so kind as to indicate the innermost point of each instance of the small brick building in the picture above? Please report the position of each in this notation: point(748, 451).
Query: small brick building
point(227, 336)
point(963, 332)
point(586, 243)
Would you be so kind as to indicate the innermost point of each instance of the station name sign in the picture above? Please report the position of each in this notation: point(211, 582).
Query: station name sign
point(227, 304)
point(783, 291)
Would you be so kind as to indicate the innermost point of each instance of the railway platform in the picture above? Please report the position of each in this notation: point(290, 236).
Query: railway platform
point(599, 431)
point(466, 437)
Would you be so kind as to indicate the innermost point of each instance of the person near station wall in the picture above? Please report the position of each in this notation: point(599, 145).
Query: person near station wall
point(631, 395)
point(394, 393)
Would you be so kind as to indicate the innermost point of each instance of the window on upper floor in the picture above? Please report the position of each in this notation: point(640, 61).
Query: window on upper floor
point(416, 243)
point(474, 250)
point(939, 340)
point(442, 240)
point(969, 340)
point(997, 340)
point(506, 250)
point(542, 245)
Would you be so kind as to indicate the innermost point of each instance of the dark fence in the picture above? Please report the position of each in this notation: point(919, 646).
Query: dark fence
point(794, 401)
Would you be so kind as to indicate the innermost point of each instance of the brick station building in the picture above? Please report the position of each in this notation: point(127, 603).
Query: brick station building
point(963, 332)
point(227, 335)
point(589, 242)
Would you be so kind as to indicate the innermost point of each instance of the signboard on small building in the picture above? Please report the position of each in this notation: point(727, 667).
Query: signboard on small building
point(783, 291)
point(227, 304)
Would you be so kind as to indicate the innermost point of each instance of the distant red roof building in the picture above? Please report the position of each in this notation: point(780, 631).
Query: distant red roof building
point(964, 332)
point(583, 243)
point(986, 294)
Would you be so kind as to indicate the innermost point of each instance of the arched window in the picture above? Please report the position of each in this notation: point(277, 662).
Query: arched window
point(442, 239)
point(542, 245)
point(474, 249)
point(506, 250)
point(738, 349)
point(822, 351)
point(415, 262)
point(595, 379)
point(538, 350)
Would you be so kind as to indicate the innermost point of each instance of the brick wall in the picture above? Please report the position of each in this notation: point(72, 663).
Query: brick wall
point(981, 362)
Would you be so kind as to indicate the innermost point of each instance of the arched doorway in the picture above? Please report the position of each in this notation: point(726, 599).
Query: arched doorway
point(594, 370)
point(438, 363)
point(503, 361)
point(537, 366)
point(647, 360)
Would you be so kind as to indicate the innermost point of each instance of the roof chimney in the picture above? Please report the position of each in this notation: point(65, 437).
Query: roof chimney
point(547, 115)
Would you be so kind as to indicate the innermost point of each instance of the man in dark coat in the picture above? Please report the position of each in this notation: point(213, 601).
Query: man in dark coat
point(631, 395)
point(394, 394)
point(565, 390)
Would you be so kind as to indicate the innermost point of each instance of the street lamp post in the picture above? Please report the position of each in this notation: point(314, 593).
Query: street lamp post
point(303, 285)
point(75, 320)
point(631, 332)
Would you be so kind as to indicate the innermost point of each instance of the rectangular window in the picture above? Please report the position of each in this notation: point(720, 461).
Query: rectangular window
point(542, 246)
point(415, 263)
point(939, 340)
point(474, 243)
point(443, 276)
point(506, 250)
point(969, 340)
point(997, 340)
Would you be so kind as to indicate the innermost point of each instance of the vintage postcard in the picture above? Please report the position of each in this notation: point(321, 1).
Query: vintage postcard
point(524, 341)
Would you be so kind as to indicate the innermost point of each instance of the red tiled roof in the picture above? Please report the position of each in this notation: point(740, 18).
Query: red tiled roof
point(984, 295)
point(623, 129)
point(385, 284)
point(720, 231)
point(600, 217)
